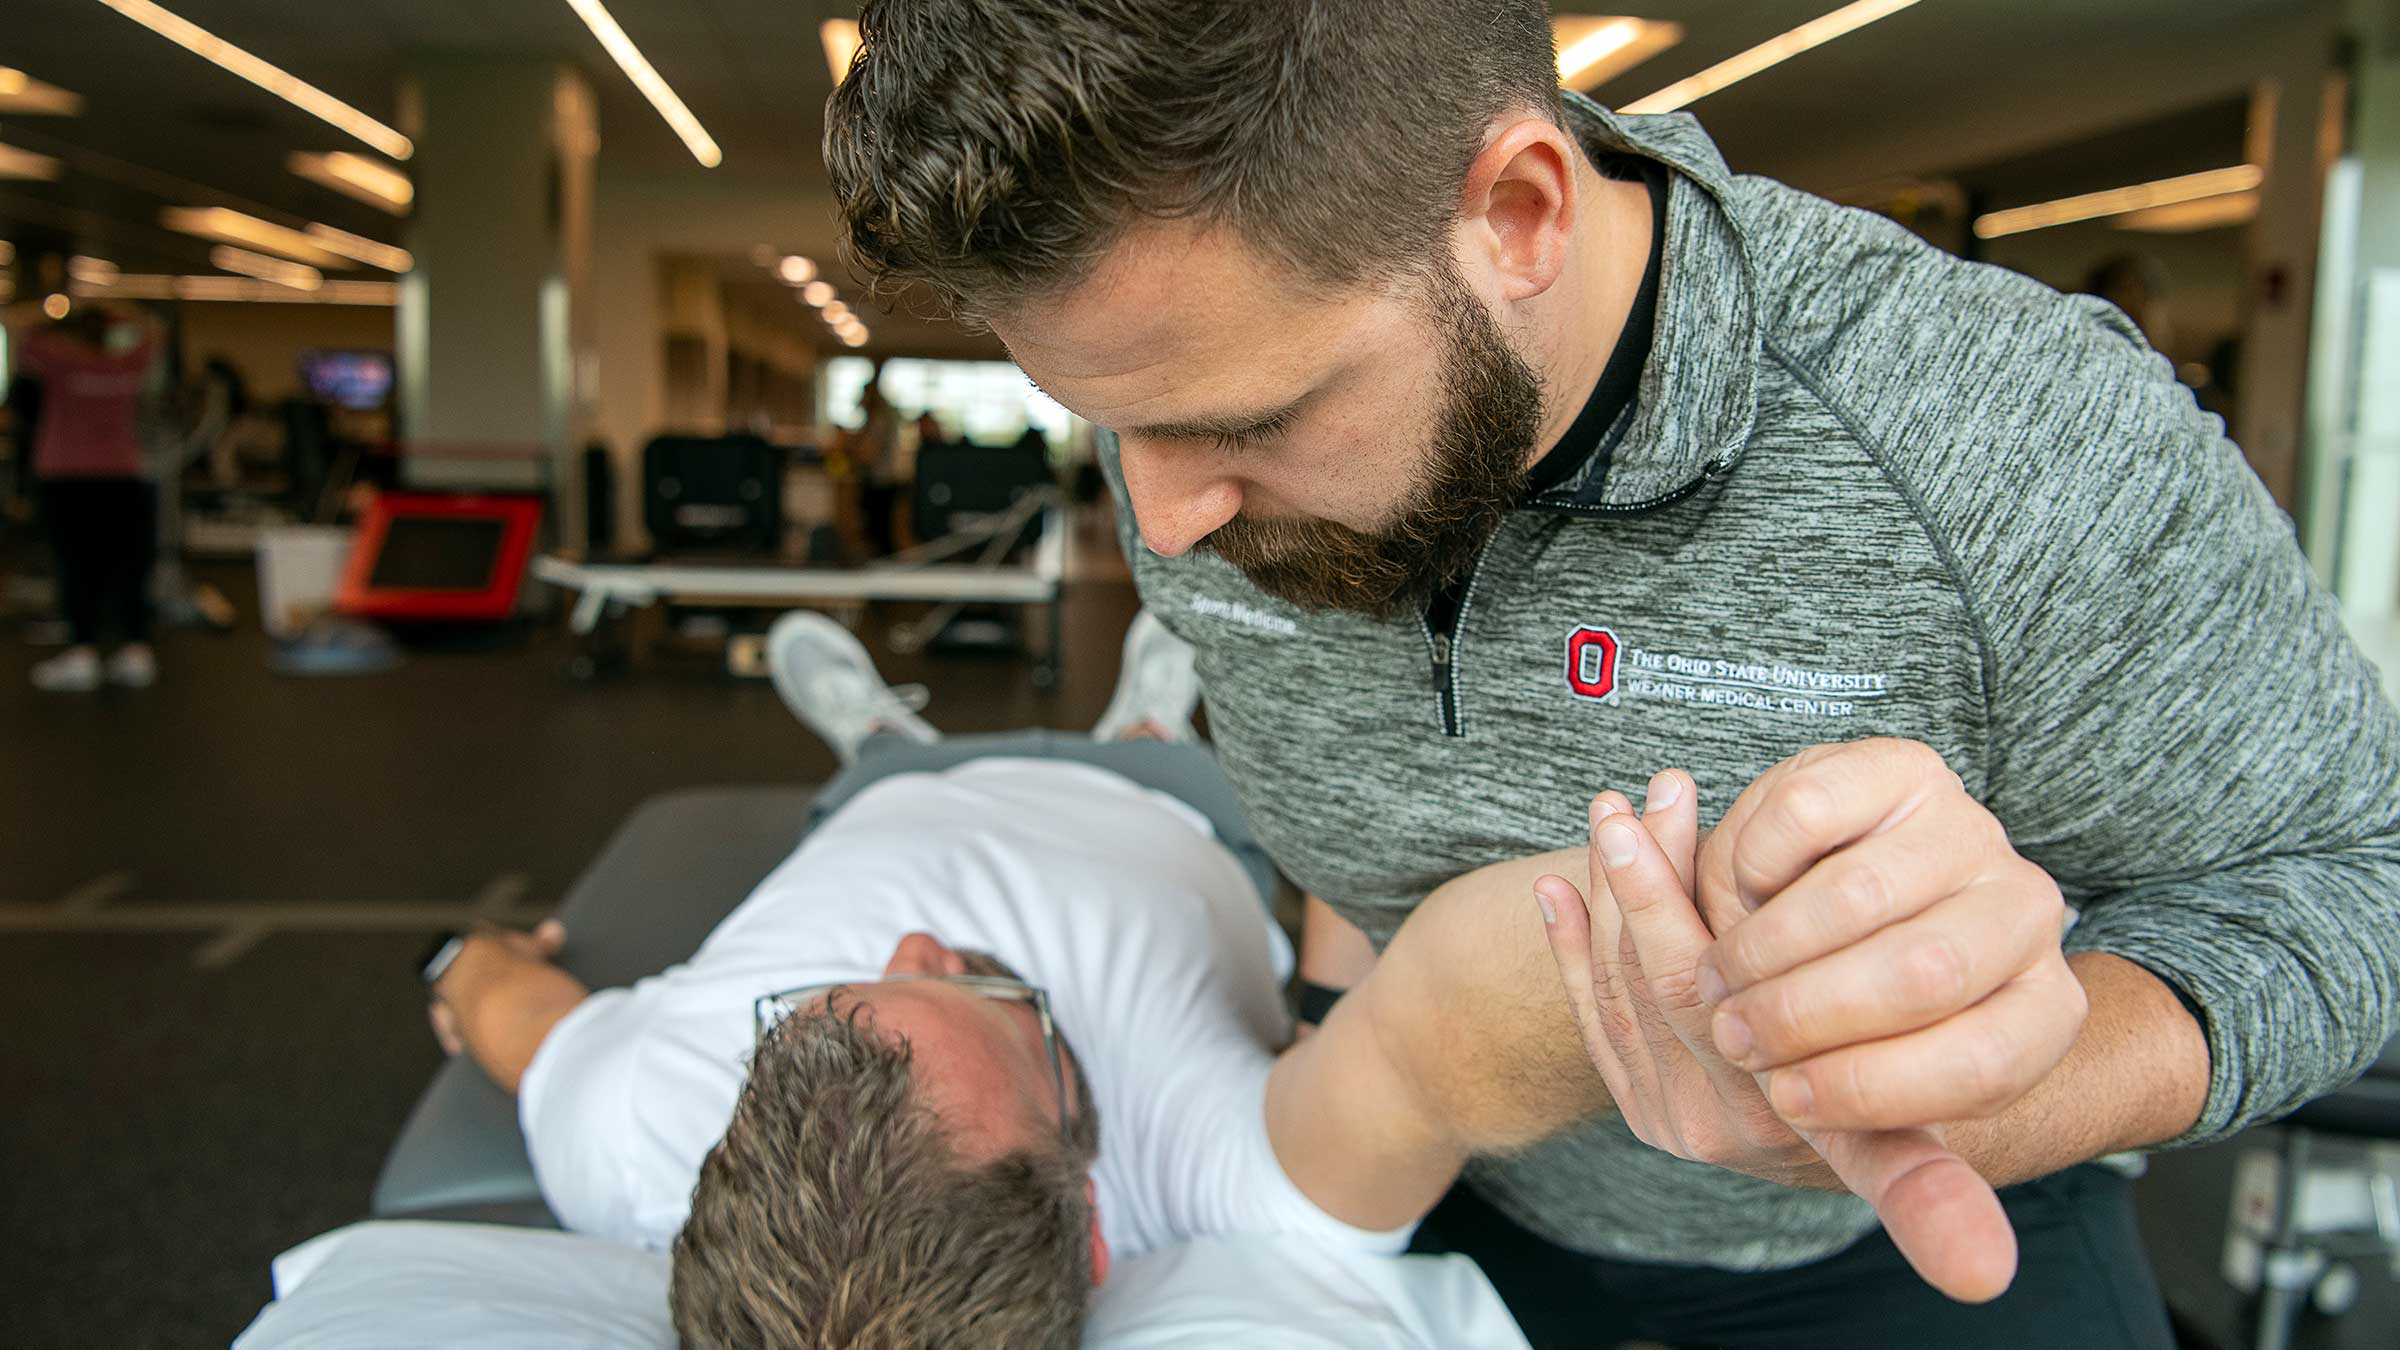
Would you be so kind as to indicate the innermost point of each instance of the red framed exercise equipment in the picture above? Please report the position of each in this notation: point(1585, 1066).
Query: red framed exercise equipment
point(440, 557)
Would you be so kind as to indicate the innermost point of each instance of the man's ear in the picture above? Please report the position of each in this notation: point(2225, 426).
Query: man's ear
point(1091, 1193)
point(1517, 208)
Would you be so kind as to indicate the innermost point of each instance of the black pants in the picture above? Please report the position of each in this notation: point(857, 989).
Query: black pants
point(2083, 1280)
point(105, 532)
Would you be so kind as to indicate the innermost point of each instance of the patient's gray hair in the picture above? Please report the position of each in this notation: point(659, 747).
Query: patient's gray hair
point(837, 1213)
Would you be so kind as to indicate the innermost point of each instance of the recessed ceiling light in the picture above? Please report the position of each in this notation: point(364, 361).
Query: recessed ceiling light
point(1772, 52)
point(646, 78)
point(797, 270)
point(377, 184)
point(817, 293)
point(56, 306)
point(835, 313)
point(272, 78)
point(2118, 201)
point(854, 339)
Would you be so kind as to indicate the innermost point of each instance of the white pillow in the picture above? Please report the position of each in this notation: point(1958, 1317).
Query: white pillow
point(401, 1285)
point(1262, 1293)
point(396, 1284)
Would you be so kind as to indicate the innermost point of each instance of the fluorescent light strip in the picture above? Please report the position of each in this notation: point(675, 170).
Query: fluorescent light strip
point(637, 68)
point(2204, 213)
point(22, 94)
point(1597, 46)
point(1594, 50)
point(842, 42)
point(386, 256)
point(1772, 52)
point(2118, 201)
point(16, 163)
point(259, 265)
point(92, 271)
point(228, 226)
point(377, 184)
point(155, 287)
point(272, 78)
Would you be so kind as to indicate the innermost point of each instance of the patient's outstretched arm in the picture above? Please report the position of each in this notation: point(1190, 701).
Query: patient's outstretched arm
point(1459, 1042)
point(499, 999)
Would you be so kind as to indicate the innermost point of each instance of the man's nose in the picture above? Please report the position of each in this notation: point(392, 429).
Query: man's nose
point(924, 954)
point(1178, 498)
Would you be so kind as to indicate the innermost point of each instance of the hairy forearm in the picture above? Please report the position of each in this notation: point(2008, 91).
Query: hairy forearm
point(506, 1009)
point(1458, 1042)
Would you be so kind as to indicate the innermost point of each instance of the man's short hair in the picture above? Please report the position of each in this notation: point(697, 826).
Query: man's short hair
point(836, 1212)
point(990, 151)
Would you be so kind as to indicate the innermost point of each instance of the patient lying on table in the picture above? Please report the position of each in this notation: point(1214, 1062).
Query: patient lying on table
point(993, 1027)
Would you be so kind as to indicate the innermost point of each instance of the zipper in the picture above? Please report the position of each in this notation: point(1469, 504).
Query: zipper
point(1443, 647)
point(1708, 473)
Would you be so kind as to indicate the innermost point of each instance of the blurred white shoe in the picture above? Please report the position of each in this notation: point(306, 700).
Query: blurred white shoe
point(1155, 684)
point(73, 671)
point(829, 682)
point(135, 666)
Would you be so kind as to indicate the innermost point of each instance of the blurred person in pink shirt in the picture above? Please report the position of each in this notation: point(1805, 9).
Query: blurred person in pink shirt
point(98, 500)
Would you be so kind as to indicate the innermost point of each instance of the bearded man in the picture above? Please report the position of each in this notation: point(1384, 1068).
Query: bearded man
point(1488, 446)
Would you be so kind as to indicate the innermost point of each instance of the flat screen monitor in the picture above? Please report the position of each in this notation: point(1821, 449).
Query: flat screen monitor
point(437, 556)
point(359, 381)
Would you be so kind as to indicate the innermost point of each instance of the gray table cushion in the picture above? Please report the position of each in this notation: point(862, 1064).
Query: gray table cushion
point(675, 868)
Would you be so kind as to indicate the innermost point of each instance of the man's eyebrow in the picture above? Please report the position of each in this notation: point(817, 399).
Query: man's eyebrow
point(1213, 426)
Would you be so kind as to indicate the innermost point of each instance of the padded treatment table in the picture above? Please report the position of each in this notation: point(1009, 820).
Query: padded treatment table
point(675, 868)
point(608, 591)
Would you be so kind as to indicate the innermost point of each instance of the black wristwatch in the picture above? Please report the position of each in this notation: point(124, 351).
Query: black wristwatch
point(437, 958)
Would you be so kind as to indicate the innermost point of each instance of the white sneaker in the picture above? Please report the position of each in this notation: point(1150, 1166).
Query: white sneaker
point(135, 666)
point(73, 671)
point(829, 682)
point(1155, 684)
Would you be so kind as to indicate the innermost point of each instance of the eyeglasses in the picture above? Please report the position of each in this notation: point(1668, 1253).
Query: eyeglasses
point(769, 1010)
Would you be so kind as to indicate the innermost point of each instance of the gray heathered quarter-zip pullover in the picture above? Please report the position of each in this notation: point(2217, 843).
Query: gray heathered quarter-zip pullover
point(1867, 489)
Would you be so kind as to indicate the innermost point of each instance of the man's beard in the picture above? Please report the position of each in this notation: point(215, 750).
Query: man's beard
point(1490, 416)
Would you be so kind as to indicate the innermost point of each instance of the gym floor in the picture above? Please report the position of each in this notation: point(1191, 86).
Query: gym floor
point(216, 1080)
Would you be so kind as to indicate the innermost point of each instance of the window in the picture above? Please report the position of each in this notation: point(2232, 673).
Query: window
point(990, 402)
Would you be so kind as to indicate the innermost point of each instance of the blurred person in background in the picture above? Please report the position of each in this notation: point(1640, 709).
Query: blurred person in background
point(2137, 284)
point(872, 447)
point(929, 431)
point(99, 503)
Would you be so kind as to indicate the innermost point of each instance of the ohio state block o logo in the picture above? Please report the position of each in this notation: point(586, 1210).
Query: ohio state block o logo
point(1592, 662)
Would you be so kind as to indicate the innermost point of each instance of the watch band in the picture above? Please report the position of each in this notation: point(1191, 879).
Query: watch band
point(1315, 1002)
point(438, 964)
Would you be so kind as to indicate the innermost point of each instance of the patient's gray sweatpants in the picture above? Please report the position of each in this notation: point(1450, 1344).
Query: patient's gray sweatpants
point(1185, 770)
